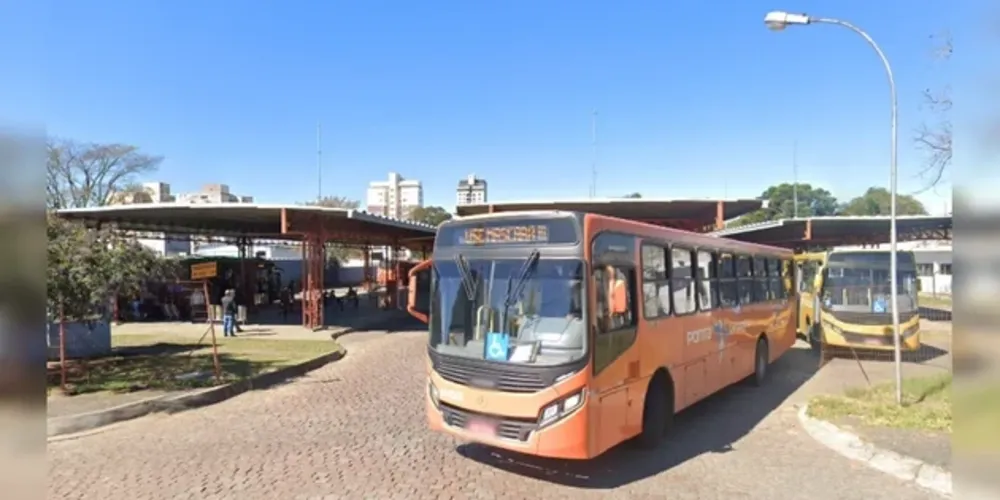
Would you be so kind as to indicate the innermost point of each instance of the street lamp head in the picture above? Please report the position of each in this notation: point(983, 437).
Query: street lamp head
point(778, 20)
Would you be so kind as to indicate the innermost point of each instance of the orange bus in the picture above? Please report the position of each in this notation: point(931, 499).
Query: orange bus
point(563, 334)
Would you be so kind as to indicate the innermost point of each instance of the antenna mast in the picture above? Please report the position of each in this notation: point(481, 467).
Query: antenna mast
point(593, 160)
point(319, 162)
point(795, 179)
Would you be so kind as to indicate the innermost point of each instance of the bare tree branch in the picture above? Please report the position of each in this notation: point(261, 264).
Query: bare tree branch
point(936, 139)
point(90, 175)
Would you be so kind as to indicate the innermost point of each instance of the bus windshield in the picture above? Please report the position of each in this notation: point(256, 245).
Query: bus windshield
point(859, 282)
point(536, 302)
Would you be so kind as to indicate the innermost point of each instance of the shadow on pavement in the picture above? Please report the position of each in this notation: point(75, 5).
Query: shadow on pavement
point(711, 426)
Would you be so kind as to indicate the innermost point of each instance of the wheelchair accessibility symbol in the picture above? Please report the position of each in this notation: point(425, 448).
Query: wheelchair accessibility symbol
point(497, 346)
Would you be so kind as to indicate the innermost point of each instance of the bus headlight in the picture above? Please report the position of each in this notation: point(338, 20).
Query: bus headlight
point(433, 392)
point(558, 409)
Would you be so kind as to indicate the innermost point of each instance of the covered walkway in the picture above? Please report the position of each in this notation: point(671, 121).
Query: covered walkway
point(242, 223)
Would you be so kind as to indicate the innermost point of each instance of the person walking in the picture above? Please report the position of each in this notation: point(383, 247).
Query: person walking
point(229, 313)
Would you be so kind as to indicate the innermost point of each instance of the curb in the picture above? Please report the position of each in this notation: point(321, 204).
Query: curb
point(853, 447)
point(173, 403)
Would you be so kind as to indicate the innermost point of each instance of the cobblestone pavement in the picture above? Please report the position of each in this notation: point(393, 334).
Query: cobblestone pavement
point(355, 429)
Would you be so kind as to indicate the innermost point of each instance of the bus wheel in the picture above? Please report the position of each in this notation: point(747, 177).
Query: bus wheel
point(654, 415)
point(761, 361)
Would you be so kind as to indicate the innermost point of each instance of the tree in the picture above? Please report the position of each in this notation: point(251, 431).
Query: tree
point(90, 175)
point(935, 139)
point(338, 252)
point(875, 201)
point(634, 196)
point(87, 267)
point(432, 216)
point(781, 203)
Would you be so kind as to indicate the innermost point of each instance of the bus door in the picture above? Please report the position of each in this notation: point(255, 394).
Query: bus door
point(614, 323)
point(418, 293)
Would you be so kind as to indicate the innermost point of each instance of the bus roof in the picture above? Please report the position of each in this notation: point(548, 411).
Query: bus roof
point(648, 230)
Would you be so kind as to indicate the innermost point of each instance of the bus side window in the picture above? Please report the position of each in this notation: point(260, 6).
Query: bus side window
point(760, 280)
point(682, 280)
point(744, 275)
point(654, 279)
point(728, 291)
point(775, 288)
point(615, 304)
point(707, 298)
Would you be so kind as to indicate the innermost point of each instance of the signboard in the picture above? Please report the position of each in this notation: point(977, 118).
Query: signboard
point(204, 270)
point(508, 231)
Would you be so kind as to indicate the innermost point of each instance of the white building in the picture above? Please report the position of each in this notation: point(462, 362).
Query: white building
point(394, 198)
point(213, 193)
point(471, 191)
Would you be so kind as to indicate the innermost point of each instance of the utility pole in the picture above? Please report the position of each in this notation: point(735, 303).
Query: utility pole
point(593, 160)
point(795, 179)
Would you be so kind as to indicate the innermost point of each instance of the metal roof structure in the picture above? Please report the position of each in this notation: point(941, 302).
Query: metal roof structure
point(840, 230)
point(257, 221)
point(695, 215)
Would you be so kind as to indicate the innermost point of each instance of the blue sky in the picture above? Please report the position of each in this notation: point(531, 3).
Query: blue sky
point(694, 99)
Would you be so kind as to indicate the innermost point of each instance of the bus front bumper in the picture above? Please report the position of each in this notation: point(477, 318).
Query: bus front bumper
point(875, 337)
point(564, 438)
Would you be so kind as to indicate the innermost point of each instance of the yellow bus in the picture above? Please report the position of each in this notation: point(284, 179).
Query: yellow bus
point(844, 299)
point(562, 334)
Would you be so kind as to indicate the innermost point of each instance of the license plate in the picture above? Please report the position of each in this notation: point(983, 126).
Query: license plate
point(873, 341)
point(483, 427)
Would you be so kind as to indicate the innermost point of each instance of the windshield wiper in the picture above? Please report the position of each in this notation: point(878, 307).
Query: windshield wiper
point(468, 283)
point(516, 283)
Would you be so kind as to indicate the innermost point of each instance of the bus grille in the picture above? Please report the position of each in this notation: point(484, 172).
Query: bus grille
point(516, 430)
point(488, 378)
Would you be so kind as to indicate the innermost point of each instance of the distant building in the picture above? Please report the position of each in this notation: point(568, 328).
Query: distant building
point(471, 191)
point(213, 193)
point(159, 192)
point(394, 198)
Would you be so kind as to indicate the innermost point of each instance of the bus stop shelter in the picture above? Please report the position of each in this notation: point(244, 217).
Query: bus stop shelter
point(823, 232)
point(314, 227)
point(690, 215)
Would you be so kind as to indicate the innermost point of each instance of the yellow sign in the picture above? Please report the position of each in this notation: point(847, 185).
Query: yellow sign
point(204, 270)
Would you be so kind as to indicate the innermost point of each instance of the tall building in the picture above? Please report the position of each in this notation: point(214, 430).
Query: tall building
point(394, 198)
point(471, 191)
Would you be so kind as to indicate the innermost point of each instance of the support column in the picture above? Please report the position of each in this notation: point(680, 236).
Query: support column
point(313, 286)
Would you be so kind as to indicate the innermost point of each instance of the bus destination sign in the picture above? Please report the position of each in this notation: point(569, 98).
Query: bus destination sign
point(520, 233)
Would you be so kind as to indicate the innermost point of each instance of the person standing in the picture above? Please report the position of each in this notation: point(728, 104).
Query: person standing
point(229, 313)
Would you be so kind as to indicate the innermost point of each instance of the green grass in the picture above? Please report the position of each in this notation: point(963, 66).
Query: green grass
point(926, 405)
point(935, 302)
point(155, 362)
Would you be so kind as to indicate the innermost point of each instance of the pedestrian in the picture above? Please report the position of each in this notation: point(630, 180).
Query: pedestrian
point(229, 313)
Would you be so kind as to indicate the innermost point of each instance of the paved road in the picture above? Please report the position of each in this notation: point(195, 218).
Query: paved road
point(355, 429)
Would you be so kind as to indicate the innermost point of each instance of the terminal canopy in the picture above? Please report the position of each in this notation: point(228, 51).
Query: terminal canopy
point(691, 215)
point(830, 231)
point(257, 221)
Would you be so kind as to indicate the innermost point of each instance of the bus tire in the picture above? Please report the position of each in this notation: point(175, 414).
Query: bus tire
point(761, 361)
point(655, 413)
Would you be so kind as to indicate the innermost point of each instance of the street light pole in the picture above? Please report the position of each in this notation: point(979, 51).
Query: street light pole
point(779, 21)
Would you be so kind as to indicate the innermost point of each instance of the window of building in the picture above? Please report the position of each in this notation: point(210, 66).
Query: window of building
point(654, 279)
point(945, 269)
point(682, 274)
point(925, 269)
